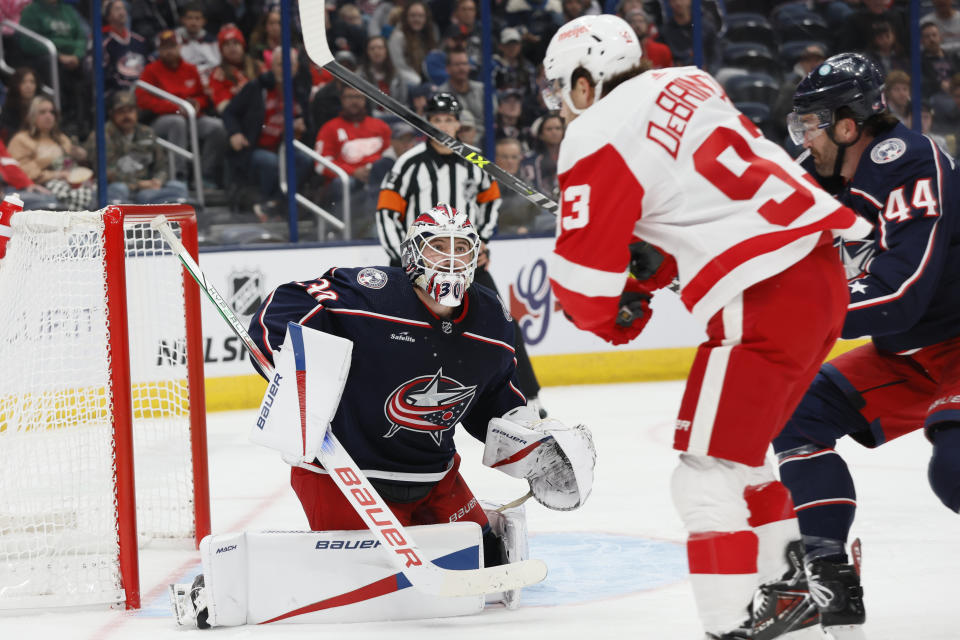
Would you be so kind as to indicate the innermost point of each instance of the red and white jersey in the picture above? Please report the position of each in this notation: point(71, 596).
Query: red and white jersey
point(667, 158)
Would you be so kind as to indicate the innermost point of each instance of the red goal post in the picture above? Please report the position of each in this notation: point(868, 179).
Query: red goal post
point(102, 427)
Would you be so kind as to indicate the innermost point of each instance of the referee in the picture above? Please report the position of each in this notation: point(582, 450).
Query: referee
point(430, 173)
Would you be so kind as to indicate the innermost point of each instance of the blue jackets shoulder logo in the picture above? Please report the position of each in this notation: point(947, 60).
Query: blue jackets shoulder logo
point(372, 278)
point(888, 150)
point(427, 404)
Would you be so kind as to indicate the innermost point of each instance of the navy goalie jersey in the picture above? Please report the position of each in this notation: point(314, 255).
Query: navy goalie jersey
point(413, 376)
point(904, 278)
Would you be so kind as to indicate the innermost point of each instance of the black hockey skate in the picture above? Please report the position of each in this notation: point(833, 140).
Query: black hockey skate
point(785, 605)
point(837, 592)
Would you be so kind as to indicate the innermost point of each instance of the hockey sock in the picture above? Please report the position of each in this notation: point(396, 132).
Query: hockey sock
point(723, 568)
point(823, 493)
point(773, 520)
point(944, 468)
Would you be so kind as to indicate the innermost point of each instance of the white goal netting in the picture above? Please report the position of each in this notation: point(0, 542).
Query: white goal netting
point(59, 512)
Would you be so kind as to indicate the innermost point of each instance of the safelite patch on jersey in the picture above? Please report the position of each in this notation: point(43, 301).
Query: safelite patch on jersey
point(372, 278)
point(888, 150)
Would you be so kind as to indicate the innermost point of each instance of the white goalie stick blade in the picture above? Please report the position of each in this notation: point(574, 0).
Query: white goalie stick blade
point(393, 536)
point(313, 23)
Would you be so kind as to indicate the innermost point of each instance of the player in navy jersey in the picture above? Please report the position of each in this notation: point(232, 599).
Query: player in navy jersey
point(425, 357)
point(903, 281)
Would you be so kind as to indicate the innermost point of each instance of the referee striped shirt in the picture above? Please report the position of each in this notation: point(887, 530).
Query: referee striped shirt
point(419, 180)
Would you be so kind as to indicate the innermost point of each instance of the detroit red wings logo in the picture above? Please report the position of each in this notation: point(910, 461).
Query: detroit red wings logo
point(427, 404)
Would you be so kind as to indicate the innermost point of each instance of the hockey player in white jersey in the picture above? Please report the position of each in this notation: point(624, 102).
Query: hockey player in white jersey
point(664, 156)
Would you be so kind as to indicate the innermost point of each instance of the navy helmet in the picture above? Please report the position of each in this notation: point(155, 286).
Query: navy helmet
point(844, 80)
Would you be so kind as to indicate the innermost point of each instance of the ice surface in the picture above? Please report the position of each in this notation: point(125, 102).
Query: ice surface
point(616, 565)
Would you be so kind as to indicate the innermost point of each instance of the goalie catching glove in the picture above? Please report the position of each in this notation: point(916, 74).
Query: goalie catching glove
point(555, 459)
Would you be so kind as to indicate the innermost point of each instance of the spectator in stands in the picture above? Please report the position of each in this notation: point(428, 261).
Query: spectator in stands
point(223, 12)
point(353, 141)
point(50, 158)
point(511, 70)
point(347, 32)
point(22, 90)
point(467, 132)
point(936, 66)
point(174, 75)
point(884, 50)
point(573, 9)
point(124, 52)
point(266, 36)
point(947, 18)
point(656, 52)
point(13, 179)
point(254, 121)
point(537, 21)
point(11, 10)
point(809, 59)
point(198, 47)
point(896, 90)
point(464, 30)
point(947, 114)
point(377, 68)
point(677, 33)
point(412, 40)
point(136, 164)
point(516, 212)
point(926, 125)
point(60, 23)
point(539, 168)
point(325, 104)
point(419, 94)
point(150, 17)
point(509, 121)
point(468, 92)
point(858, 28)
point(402, 138)
point(236, 67)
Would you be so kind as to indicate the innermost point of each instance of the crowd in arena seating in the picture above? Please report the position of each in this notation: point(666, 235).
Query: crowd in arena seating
point(223, 58)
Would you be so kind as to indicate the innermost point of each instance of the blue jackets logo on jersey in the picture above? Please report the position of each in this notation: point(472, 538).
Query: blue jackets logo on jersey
point(427, 404)
point(372, 278)
point(888, 150)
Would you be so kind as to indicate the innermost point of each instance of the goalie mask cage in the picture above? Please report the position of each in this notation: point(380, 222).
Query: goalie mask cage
point(101, 354)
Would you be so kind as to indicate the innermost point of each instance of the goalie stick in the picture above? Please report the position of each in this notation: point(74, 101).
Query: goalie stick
point(393, 536)
point(313, 23)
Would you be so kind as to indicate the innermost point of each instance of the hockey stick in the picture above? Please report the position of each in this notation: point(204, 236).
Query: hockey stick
point(515, 503)
point(402, 550)
point(313, 23)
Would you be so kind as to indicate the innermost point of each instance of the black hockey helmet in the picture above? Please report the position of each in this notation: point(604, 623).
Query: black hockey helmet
point(443, 103)
point(844, 80)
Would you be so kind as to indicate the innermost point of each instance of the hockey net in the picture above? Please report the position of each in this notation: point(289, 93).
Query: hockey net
point(102, 391)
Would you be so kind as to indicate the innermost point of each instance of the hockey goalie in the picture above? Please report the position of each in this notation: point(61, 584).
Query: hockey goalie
point(390, 360)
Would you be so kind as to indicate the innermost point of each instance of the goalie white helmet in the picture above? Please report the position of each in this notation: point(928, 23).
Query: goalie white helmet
point(604, 45)
point(440, 253)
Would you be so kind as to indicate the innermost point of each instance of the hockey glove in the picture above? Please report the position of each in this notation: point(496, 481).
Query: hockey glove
point(557, 461)
point(651, 266)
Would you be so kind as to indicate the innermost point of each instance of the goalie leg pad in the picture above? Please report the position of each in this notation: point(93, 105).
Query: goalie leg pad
point(329, 576)
point(510, 527)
